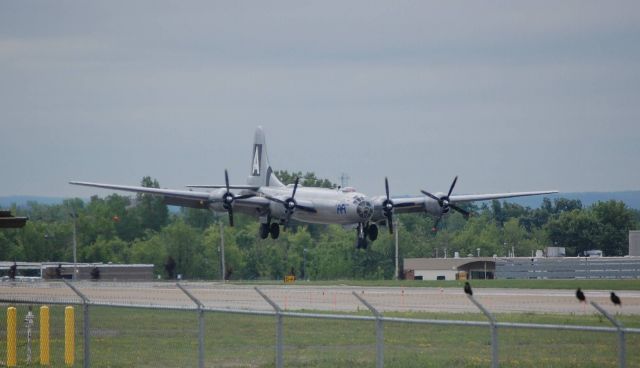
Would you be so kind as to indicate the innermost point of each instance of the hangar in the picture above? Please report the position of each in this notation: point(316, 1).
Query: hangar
point(449, 268)
point(522, 268)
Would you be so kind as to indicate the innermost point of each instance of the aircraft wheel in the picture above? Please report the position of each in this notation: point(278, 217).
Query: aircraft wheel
point(372, 232)
point(274, 230)
point(264, 231)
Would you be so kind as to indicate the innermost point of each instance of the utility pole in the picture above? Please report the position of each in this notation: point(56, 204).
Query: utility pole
point(222, 251)
point(397, 227)
point(344, 180)
point(304, 263)
point(75, 246)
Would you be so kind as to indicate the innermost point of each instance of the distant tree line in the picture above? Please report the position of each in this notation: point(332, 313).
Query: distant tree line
point(140, 229)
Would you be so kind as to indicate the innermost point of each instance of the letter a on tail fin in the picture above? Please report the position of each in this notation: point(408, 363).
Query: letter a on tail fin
point(261, 173)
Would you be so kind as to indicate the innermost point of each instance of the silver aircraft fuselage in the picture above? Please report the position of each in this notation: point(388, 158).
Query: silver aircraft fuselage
point(333, 206)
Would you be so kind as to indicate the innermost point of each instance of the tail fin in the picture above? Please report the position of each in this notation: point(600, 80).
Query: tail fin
point(261, 173)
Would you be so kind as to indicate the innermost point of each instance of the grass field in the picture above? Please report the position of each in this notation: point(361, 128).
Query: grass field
point(591, 284)
point(128, 337)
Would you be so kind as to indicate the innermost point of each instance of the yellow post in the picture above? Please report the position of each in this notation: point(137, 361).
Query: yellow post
point(44, 335)
point(12, 356)
point(69, 336)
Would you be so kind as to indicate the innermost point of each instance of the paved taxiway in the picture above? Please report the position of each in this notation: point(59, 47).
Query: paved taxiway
point(321, 298)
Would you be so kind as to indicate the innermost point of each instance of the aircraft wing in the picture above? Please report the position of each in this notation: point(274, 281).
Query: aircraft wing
point(485, 197)
point(186, 194)
point(185, 198)
point(417, 204)
point(219, 186)
point(251, 203)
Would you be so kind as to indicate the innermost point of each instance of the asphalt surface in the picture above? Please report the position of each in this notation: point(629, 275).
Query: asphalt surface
point(317, 298)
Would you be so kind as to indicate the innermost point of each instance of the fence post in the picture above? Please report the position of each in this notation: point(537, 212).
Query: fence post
point(494, 331)
point(86, 338)
point(69, 336)
point(12, 344)
point(200, 324)
point(379, 331)
point(279, 332)
point(44, 335)
point(622, 351)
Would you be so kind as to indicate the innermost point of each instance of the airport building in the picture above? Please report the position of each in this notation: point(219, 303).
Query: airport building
point(522, 268)
point(634, 243)
point(449, 268)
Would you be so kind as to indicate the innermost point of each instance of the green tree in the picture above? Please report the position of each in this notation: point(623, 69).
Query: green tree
point(577, 230)
point(106, 250)
point(151, 209)
point(150, 250)
point(615, 220)
point(185, 245)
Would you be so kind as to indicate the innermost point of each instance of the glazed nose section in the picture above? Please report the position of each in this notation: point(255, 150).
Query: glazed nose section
point(365, 210)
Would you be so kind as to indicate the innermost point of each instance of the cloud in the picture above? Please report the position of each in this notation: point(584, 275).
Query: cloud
point(508, 95)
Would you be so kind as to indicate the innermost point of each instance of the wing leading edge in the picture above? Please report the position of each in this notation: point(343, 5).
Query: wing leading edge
point(417, 204)
point(185, 198)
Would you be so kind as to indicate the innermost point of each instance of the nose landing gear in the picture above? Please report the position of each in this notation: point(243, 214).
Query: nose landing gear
point(372, 232)
point(366, 231)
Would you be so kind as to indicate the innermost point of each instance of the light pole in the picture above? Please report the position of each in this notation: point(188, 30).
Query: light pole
point(397, 274)
point(222, 251)
point(304, 263)
point(75, 246)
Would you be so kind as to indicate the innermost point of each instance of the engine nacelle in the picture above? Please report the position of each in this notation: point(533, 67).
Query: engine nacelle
point(432, 207)
point(277, 210)
point(216, 200)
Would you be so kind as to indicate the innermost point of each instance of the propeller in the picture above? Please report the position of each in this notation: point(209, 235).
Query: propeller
point(387, 207)
point(228, 198)
point(290, 204)
point(445, 205)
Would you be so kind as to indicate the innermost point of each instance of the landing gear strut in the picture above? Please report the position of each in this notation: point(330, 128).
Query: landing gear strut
point(362, 237)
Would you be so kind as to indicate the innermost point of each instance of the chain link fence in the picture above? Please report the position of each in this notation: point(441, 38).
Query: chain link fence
point(212, 325)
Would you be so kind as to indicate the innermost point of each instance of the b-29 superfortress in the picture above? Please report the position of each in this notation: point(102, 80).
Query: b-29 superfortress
point(274, 204)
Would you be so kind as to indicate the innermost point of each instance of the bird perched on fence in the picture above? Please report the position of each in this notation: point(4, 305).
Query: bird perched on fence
point(467, 288)
point(580, 296)
point(616, 299)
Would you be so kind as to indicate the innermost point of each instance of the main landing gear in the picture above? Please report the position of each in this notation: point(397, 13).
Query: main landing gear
point(366, 231)
point(267, 229)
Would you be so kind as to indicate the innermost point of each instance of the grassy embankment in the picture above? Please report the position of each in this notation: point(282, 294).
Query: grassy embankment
point(127, 337)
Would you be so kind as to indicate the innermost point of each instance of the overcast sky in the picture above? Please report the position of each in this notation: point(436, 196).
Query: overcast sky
point(508, 95)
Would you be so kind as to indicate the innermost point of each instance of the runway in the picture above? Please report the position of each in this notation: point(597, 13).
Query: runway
point(317, 298)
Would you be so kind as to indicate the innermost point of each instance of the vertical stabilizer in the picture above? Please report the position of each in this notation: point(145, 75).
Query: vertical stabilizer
point(261, 173)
